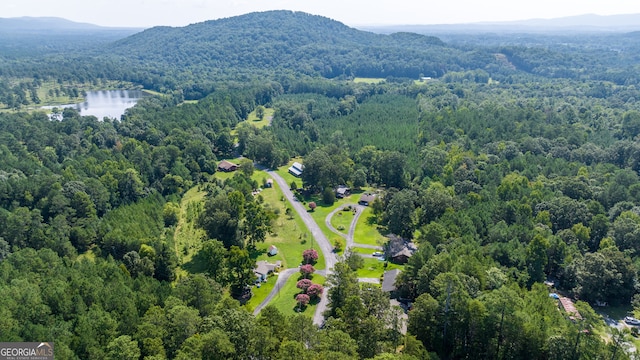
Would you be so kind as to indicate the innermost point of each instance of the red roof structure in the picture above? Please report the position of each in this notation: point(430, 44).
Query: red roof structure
point(570, 308)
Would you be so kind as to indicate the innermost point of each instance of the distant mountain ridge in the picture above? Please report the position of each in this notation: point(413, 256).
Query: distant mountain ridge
point(584, 21)
point(28, 37)
point(38, 24)
point(579, 23)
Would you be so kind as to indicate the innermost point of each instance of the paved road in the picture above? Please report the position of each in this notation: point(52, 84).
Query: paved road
point(327, 222)
point(320, 239)
point(282, 278)
point(352, 228)
point(620, 325)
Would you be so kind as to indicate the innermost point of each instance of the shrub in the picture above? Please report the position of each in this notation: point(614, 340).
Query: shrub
point(303, 300)
point(328, 196)
point(307, 270)
point(315, 290)
point(304, 284)
point(171, 214)
point(312, 205)
point(310, 256)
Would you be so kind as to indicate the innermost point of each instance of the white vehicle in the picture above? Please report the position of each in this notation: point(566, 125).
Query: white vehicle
point(377, 253)
point(631, 320)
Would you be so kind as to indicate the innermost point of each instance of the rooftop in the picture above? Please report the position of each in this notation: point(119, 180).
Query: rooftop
point(569, 307)
point(389, 280)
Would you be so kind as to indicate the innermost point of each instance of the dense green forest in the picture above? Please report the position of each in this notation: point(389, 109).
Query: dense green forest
point(511, 163)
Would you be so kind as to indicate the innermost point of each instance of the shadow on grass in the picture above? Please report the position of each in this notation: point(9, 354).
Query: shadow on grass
point(299, 310)
point(197, 264)
point(615, 312)
point(313, 302)
point(301, 277)
point(254, 252)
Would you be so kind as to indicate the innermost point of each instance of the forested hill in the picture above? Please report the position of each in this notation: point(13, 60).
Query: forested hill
point(27, 38)
point(291, 40)
point(32, 24)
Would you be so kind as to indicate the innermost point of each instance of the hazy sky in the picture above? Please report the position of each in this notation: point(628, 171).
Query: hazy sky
point(147, 13)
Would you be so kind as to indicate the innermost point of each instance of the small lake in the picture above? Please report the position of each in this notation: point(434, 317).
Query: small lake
point(105, 103)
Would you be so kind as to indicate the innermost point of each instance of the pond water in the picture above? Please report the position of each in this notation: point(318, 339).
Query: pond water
point(105, 103)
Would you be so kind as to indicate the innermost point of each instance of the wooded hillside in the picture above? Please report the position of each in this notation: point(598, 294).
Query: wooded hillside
point(512, 169)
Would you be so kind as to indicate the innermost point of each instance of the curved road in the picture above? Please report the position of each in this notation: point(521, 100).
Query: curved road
point(352, 228)
point(282, 278)
point(320, 239)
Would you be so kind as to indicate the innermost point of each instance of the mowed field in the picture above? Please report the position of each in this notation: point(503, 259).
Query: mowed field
point(368, 80)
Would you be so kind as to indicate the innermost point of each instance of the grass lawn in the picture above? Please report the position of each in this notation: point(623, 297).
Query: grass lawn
point(342, 221)
point(321, 212)
point(285, 300)
point(223, 175)
point(364, 250)
point(374, 268)
point(282, 171)
point(368, 80)
point(189, 102)
point(253, 119)
point(615, 312)
point(290, 235)
point(366, 232)
point(153, 92)
point(259, 293)
point(188, 238)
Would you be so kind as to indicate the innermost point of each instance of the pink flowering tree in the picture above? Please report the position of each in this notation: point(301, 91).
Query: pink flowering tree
point(310, 256)
point(304, 284)
point(315, 290)
point(312, 205)
point(303, 300)
point(307, 270)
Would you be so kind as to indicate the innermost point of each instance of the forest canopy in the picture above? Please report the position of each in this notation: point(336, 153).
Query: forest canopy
point(511, 167)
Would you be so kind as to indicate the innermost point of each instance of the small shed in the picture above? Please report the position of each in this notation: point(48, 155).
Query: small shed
point(272, 251)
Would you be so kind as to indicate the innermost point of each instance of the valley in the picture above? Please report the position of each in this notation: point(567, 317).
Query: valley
point(281, 185)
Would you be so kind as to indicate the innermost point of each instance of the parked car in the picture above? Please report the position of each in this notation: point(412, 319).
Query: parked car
point(631, 320)
point(377, 253)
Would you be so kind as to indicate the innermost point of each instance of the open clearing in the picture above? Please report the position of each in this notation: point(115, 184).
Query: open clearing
point(368, 80)
point(285, 300)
